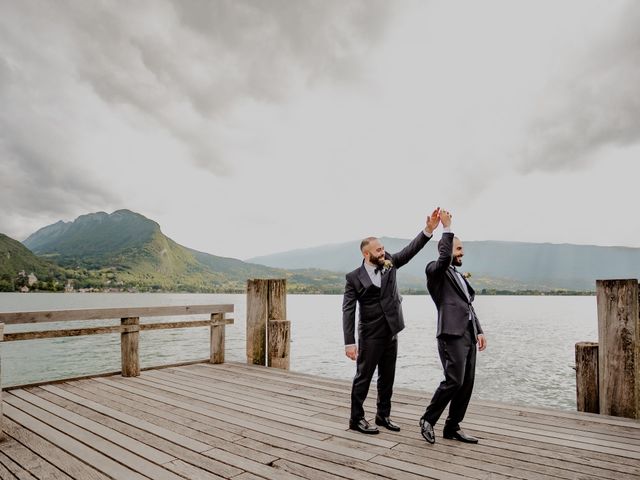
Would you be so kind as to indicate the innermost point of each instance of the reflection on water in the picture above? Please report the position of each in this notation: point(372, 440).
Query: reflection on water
point(528, 360)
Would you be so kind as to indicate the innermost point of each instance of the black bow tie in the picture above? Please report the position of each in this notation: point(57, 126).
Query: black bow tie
point(379, 270)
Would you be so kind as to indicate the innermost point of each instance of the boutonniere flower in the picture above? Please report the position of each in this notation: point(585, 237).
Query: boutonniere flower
point(467, 275)
point(386, 266)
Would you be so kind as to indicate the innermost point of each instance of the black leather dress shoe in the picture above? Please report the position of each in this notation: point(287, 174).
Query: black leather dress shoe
point(363, 426)
point(460, 436)
point(387, 423)
point(426, 429)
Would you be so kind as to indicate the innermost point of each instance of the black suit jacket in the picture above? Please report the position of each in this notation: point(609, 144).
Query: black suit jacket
point(453, 306)
point(380, 309)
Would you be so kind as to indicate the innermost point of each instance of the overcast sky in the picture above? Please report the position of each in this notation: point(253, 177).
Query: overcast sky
point(251, 127)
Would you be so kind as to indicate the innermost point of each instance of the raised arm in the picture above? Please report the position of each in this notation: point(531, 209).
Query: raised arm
point(445, 248)
point(407, 253)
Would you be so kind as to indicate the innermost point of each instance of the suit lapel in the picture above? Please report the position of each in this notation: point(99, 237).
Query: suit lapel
point(456, 285)
point(364, 277)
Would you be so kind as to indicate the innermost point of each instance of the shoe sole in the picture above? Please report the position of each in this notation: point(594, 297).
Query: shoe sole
point(460, 440)
point(431, 442)
point(388, 428)
point(372, 432)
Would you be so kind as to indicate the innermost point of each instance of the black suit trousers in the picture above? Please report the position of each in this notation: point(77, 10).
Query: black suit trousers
point(372, 353)
point(458, 357)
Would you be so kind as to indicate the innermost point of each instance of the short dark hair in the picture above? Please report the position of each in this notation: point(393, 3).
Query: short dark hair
point(366, 242)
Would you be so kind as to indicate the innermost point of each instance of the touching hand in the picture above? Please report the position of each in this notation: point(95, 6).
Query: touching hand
point(351, 351)
point(433, 220)
point(482, 342)
point(445, 218)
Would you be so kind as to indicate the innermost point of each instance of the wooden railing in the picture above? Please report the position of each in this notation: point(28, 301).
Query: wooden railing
point(129, 329)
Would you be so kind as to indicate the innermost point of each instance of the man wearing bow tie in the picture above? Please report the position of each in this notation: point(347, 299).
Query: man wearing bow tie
point(458, 333)
point(373, 286)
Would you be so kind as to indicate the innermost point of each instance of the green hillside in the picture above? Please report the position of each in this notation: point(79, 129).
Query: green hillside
point(125, 250)
point(15, 258)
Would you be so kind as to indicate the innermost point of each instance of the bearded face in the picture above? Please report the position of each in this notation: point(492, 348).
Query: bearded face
point(375, 253)
point(458, 252)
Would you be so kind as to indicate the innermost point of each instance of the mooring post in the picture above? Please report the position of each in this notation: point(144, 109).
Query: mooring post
point(1, 421)
point(129, 346)
point(619, 347)
point(279, 328)
point(257, 311)
point(587, 396)
point(217, 338)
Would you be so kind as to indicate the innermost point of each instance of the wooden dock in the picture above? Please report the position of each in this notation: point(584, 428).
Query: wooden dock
point(207, 421)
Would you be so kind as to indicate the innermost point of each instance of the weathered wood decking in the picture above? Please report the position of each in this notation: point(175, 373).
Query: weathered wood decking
point(207, 421)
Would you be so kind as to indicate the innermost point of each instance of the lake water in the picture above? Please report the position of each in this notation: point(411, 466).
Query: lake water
point(529, 358)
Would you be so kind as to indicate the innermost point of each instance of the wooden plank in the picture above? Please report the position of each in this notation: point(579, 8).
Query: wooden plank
point(191, 402)
point(156, 412)
point(403, 395)
point(424, 471)
point(97, 460)
point(585, 433)
point(67, 332)
point(10, 470)
point(131, 420)
point(217, 390)
point(263, 411)
point(103, 374)
point(33, 451)
point(507, 462)
point(139, 448)
point(307, 406)
point(193, 473)
point(216, 321)
point(270, 428)
point(13, 318)
point(97, 443)
point(505, 453)
point(342, 469)
point(249, 465)
point(193, 458)
point(77, 332)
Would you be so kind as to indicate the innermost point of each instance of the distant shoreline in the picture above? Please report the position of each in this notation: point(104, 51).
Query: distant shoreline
point(513, 293)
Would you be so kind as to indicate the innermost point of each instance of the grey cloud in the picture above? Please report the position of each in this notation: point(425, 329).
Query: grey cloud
point(210, 56)
point(179, 66)
point(598, 106)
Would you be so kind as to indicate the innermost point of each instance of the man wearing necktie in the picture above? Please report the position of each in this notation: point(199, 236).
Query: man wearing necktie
point(458, 333)
point(373, 287)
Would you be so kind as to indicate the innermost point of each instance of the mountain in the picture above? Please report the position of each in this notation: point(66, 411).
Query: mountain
point(494, 265)
point(127, 250)
point(15, 258)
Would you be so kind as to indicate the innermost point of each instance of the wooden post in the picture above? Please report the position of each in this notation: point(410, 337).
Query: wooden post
point(279, 329)
point(587, 377)
point(277, 299)
point(279, 344)
point(1, 338)
point(217, 339)
point(257, 308)
point(619, 350)
point(129, 343)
